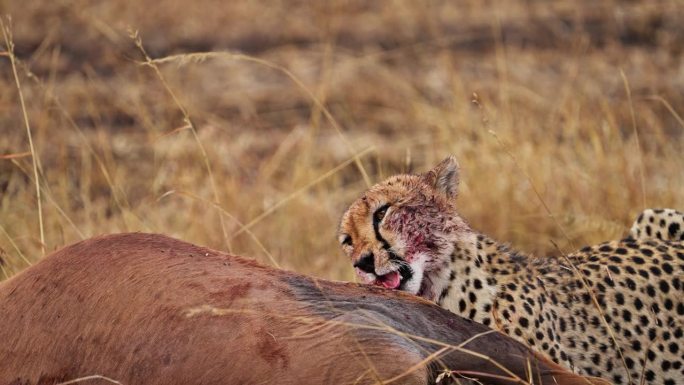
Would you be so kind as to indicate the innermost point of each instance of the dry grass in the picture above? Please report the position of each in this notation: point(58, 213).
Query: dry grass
point(587, 98)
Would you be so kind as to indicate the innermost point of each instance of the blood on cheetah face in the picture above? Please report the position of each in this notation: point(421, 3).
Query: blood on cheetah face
point(394, 233)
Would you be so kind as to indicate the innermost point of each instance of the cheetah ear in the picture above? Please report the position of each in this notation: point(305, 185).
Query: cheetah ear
point(444, 177)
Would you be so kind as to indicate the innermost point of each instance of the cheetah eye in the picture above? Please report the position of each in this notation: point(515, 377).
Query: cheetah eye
point(346, 240)
point(380, 213)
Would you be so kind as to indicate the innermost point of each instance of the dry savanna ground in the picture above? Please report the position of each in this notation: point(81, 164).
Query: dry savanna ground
point(566, 117)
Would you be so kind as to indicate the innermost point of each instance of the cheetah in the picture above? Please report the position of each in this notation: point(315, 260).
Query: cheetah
point(613, 310)
point(662, 224)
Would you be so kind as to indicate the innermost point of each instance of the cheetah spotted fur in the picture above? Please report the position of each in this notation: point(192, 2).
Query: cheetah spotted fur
point(661, 224)
point(613, 310)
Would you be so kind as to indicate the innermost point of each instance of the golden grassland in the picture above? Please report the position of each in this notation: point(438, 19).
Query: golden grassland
point(566, 118)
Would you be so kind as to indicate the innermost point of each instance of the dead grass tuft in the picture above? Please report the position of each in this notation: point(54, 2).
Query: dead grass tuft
point(287, 111)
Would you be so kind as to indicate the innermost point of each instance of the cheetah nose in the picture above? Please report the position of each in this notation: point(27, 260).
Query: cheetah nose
point(366, 263)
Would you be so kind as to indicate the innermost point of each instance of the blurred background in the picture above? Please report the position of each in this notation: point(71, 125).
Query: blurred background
point(570, 108)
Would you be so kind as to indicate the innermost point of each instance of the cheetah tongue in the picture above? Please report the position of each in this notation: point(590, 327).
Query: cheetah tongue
point(390, 280)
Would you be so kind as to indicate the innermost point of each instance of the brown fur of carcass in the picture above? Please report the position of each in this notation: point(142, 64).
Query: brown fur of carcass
point(149, 309)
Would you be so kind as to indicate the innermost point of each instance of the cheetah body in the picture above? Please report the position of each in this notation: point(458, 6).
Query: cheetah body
point(614, 310)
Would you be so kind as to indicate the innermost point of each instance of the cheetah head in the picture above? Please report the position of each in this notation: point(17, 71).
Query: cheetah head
point(401, 231)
